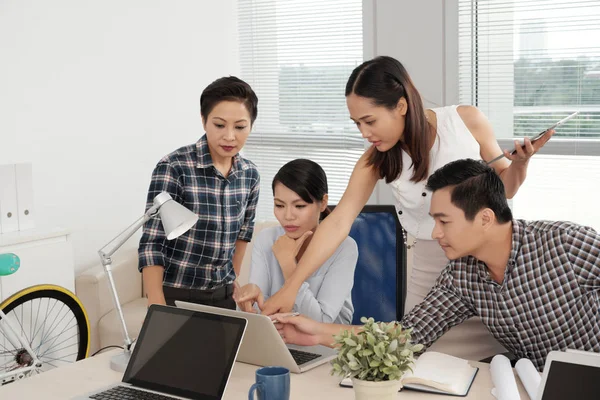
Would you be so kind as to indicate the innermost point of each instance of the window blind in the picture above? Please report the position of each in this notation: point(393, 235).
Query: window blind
point(297, 56)
point(526, 64)
point(529, 63)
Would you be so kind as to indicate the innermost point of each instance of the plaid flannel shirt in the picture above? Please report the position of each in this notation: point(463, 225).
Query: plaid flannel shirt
point(549, 299)
point(202, 257)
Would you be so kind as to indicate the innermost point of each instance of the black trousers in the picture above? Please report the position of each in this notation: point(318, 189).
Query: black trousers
point(220, 297)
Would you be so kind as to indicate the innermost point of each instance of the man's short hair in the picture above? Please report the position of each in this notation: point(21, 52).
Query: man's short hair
point(474, 186)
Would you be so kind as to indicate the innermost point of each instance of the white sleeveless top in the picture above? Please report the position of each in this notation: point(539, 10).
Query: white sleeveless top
point(453, 142)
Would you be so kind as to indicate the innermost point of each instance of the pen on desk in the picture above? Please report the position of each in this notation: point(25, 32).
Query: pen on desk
point(290, 314)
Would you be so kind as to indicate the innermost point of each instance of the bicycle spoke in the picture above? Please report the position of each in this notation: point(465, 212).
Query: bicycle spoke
point(50, 331)
point(49, 363)
point(13, 351)
point(54, 351)
point(43, 324)
point(6, 363)
point(55, 337)
point(36, 319)
point(52, 326)
point(60, 359)
point(51, 322)
point(21, 324)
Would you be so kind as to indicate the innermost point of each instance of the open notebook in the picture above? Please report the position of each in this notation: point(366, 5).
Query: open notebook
point(437, 373)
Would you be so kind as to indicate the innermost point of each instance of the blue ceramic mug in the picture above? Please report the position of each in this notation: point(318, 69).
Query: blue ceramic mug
point(272, 383)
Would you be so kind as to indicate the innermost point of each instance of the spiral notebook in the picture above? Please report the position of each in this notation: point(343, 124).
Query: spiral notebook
point(437, 373)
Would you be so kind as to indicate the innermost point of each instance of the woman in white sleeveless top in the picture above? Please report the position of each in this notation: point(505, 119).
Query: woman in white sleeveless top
point(408, 144)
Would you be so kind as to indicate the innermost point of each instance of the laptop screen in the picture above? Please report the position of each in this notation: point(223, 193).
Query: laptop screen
point(185, 353)
point(572, 381)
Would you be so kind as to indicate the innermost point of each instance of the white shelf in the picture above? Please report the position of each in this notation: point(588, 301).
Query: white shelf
point(46, 258)
point(12, 238)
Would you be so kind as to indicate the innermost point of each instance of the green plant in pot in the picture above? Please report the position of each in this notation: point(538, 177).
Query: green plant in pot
point(376, 358)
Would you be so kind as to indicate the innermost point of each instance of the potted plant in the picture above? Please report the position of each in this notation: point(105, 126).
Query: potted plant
point(375, 359)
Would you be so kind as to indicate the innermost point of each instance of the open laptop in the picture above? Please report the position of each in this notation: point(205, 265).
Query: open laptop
point(263, 346)
point(570, 375)
point(179, 354)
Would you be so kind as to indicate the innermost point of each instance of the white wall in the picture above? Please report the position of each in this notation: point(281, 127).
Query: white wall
point(423, 36)
point(93, 93)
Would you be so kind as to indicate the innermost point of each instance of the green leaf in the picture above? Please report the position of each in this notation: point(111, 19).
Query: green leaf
point(374, 363)
point(378, 351)
point(417, 348)
point(370, 339)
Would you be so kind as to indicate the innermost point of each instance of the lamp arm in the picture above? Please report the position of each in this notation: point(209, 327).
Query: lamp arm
point(107, 251)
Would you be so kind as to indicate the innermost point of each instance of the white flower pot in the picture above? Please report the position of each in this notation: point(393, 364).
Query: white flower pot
point(367, 390)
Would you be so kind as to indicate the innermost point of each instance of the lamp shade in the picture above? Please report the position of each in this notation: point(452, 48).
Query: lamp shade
point(176, 219)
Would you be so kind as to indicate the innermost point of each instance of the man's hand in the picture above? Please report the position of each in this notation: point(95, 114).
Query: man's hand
point(299, 330)
point(247, 295)
point(286, 249)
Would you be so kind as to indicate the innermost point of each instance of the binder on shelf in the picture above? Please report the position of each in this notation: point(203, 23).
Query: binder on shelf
point(24, 179)
point(9, 220)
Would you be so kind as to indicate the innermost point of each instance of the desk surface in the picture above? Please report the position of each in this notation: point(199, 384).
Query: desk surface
point(93, 373)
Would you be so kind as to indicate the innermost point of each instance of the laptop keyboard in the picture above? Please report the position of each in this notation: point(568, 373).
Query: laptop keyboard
point(302, 357)
point(127, 393)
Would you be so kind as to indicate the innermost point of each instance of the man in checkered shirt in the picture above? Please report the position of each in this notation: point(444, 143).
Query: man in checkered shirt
point(535, 285)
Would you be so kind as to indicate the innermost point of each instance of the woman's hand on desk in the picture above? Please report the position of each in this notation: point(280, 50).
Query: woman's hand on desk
point(247, 295)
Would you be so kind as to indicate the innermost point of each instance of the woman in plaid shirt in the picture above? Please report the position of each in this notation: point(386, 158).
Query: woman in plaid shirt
point(210, 178)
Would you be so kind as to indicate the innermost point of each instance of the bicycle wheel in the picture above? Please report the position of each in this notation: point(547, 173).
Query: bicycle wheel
point(54, 323)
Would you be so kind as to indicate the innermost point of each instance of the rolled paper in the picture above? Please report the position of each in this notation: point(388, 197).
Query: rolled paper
point(505, 384)
point(529, 376)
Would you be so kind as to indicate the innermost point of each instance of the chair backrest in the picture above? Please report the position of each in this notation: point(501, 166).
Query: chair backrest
point(380, 277)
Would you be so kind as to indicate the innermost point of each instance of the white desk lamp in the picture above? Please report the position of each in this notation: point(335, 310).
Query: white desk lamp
point(176, 220)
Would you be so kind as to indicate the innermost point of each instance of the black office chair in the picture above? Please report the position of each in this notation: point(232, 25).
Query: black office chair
point(380, 277)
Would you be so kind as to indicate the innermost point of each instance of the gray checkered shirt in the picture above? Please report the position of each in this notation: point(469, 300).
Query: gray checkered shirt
point(549, 299)
point(202, 257)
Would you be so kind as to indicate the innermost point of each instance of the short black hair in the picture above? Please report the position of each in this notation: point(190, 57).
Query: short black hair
point(229, 88)
point(475, 186)
point(306, 178)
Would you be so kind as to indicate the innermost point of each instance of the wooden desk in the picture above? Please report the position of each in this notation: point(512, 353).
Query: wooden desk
point(93, 373)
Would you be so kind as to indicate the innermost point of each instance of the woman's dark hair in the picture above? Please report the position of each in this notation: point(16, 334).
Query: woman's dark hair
point(306, 178)
point(474, 186)
point(228, 88)
point(384, 81)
